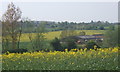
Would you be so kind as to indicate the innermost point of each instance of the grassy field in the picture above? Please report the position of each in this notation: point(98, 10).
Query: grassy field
point(52, 35)
point(26, 44)
point(102, 59)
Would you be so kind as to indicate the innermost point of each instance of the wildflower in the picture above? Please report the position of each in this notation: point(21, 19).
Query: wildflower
point(66, 50)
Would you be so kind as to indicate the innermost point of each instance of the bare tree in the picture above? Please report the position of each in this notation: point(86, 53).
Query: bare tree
point(11, 27)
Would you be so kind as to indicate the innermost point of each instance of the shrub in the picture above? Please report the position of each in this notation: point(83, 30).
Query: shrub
point(56, 45)
point(91, 44)
point(15, 51)
point(69, 44)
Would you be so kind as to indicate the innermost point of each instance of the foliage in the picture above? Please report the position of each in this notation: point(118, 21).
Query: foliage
point(91, 45)
point(28, 46)
point(38, 41)
point(59, 26)
point(69, 44)
point(111, 38)
point(15, 51)
point(56, 45)
point(67, 33)
point(101, 28)
point(101, 59)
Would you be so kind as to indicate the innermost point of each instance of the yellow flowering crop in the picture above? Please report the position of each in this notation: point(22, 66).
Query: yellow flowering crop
point(83, 59)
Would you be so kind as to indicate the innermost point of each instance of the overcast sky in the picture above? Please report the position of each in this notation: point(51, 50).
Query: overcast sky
point(67, 11)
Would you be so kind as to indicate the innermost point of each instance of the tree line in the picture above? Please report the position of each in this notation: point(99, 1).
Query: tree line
point(59, 26)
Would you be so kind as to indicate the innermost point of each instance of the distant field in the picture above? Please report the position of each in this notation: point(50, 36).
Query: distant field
point(52, 35)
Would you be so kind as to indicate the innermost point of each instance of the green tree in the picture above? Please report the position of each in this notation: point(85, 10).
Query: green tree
point(56, 44)
point(67, 33)
point(111, 27)
point(91, 44)
point(38, 39)
point(111, 37)
point(69, 44)
point(101, 28)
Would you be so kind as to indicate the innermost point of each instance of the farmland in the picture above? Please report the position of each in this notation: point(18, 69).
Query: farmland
point(50, 44)
point(26, 44)
point(83, 59)
point(52, 35)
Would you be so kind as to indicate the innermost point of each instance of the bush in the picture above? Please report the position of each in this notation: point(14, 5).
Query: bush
point(69, 44)
point(44, 50)
point(91, 44)
point(15, 51)
point(80, 46)
point(111, 37)
point(56, 45)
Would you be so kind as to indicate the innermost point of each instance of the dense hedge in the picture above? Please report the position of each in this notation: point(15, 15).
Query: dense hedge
point(15, 51)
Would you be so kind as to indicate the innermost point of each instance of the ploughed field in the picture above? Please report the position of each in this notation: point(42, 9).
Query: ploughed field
point(83, 59)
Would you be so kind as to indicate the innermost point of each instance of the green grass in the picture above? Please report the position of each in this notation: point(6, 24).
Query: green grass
point(29, 47)
point(52, 35)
